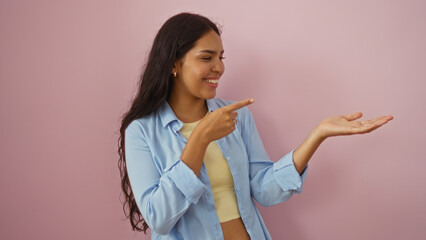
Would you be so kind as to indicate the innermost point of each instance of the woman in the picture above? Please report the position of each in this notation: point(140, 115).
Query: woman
point(191, 164)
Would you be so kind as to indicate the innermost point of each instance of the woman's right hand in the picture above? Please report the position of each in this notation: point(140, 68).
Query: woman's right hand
point(214, 126)
point(221, 122)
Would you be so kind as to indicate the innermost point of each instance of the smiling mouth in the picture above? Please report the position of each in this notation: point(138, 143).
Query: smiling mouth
point(211, 80)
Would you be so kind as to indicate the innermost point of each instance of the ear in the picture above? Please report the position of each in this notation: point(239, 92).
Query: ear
point(176, 66)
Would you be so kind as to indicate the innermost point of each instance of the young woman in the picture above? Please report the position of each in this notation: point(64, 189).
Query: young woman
point(191, 164)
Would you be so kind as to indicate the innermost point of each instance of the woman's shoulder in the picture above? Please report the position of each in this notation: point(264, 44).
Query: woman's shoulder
point(142, 123)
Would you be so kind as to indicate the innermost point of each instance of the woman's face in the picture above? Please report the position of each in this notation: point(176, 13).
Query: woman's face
point(198, 72)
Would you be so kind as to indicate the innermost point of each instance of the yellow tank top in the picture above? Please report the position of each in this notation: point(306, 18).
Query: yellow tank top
point(221, 180)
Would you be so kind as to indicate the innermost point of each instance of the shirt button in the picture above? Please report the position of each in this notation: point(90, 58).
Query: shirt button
point(228, 158)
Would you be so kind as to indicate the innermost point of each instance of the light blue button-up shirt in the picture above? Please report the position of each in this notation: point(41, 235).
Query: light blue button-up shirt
point(175, 203)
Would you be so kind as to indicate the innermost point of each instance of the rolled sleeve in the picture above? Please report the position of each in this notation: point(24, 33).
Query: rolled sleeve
point(163, 197)
point(186, 181)
point(286, 174)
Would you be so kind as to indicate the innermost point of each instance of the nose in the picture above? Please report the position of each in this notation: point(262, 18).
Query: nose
point(218, 66)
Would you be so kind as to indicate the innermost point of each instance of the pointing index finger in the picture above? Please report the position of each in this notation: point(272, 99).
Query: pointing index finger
point(240, 104)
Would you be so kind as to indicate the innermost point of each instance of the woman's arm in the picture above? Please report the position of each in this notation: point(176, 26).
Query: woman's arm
point(162, 195)
point(214, 126)
point(275, 182)
point(271, 182)
point(304, 152)
point(193, 153)
point(334, 126)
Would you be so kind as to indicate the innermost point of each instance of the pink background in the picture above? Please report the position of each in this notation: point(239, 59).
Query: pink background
point(68, 70)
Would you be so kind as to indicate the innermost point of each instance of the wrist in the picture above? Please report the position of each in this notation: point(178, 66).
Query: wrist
point(318, 134)
point(200, 136)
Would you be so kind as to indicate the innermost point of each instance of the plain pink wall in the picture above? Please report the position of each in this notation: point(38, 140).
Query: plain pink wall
point(68, 70)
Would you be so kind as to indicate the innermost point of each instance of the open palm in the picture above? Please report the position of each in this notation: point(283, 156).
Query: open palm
point(346, 125)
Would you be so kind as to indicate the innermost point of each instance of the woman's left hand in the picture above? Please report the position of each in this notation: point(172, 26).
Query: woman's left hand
point(346, 125)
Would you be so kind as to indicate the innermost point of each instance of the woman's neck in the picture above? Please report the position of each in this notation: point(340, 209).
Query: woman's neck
point(188, 110)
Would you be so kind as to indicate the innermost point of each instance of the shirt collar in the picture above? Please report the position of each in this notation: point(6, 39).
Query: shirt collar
point(167, 115)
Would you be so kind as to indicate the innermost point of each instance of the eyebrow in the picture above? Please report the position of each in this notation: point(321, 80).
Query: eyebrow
point(211, 51)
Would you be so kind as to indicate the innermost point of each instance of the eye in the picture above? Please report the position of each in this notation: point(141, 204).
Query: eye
point(209, 58)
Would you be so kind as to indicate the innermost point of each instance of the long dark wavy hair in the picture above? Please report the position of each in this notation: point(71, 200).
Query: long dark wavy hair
point(174, 39)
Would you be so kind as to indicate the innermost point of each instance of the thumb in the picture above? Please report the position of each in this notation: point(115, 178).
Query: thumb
point(353, 116)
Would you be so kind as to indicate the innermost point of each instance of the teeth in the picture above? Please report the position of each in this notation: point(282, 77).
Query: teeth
point(212, 81)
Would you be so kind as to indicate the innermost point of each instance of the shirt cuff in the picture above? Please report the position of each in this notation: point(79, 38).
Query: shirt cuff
point(186, 181)
point(286, 174)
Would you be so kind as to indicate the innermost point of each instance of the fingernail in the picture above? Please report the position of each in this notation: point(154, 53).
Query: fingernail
point(251, 100)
